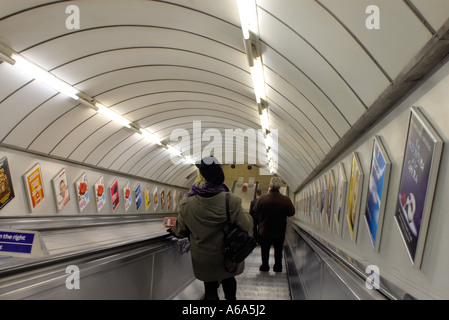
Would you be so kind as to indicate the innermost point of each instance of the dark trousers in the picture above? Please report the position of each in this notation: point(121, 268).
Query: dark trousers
point(265, 245)
point(229, 288)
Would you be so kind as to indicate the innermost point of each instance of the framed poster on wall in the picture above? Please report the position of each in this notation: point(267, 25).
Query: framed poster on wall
point(100, 194)
point(354, 195)
point(138, 197)
point(340, 204)
point(162, 199)
point(82, 193)
point(6, 188)
point(419, 173)
point(155, 203)
point(147, 197)
point(127, 196)
point(377, 192)
point(115, 199)
point(34, 186)
point(169, 206)
point(61, 189)
point(174, 200)
point(323, 199)
point(330, 198)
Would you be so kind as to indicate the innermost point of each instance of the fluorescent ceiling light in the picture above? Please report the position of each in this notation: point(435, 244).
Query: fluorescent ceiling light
point(173, 150)
point(248, 17)
point(264, 120)
point(268, 140)
point(190, 160)
point(258, 80)
point(44, 76)
point(151, 137)
point(113, 115)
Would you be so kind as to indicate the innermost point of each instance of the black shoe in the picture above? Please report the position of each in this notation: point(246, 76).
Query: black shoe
point(277, 268)
point(264, 268)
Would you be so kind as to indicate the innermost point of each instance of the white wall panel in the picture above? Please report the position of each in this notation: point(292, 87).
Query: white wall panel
point(434, 11)
point(82, 151)
point(120, 146)
point(31, 126)
point(400, 37)
point(137, 143)
point(296, 50)
point(60, 127)
point(311, 22)
point(16, 107)
point(113, 79)
point(107, 145)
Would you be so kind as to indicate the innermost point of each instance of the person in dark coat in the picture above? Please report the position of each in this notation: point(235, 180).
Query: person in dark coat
point(201, 217)
point(255, 217)
point(273, 210)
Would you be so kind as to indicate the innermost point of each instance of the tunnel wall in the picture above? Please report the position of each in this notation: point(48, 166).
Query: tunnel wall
point(429, 280)
point(20, 162)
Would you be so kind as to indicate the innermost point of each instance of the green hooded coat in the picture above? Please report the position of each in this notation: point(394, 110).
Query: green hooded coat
point(202, 220)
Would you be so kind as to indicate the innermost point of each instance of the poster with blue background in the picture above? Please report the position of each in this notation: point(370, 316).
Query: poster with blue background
point(376, 189)
point(416, 186)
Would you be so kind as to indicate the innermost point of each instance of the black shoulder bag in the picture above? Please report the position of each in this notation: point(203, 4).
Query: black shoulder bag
point(238, 244)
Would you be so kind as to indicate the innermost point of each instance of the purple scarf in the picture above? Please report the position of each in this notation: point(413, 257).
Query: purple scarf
point(207, 189)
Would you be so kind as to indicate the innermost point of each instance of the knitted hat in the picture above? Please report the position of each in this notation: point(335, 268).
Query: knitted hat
point(211, 170)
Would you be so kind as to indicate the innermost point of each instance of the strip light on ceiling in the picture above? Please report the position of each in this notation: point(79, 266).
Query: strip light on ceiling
point(113, 115)
point(42, 75)
point(248, 17)
point(250, 29)
point(38, 73)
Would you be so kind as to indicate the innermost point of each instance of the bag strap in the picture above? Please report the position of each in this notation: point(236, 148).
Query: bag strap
point(227, 208)
point(228, 218)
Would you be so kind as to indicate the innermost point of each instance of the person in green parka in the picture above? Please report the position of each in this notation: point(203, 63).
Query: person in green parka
point(202, 216)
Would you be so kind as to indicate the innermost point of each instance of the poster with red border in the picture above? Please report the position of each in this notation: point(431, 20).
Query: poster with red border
point(115, 199)
point(34, 186)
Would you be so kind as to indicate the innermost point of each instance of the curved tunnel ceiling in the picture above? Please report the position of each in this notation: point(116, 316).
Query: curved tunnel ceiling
point(165, 64)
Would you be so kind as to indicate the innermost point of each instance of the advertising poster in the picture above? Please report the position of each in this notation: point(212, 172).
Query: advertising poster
point(169, 205)
point(162, 199)
point(323, 197)
point(147, 197)
point(330, 197)
point(138, 197)
point(416, 186)
point(377, 190)
point(127, 196)
point(155, 203)
point(174, 200)
point(82, 193)
point(115, 199)
point(309, 204)
point(354, 194)
point(34, 186)
point(6, 188)
point(100, 195)
point(341, 196)
point(61, 189)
